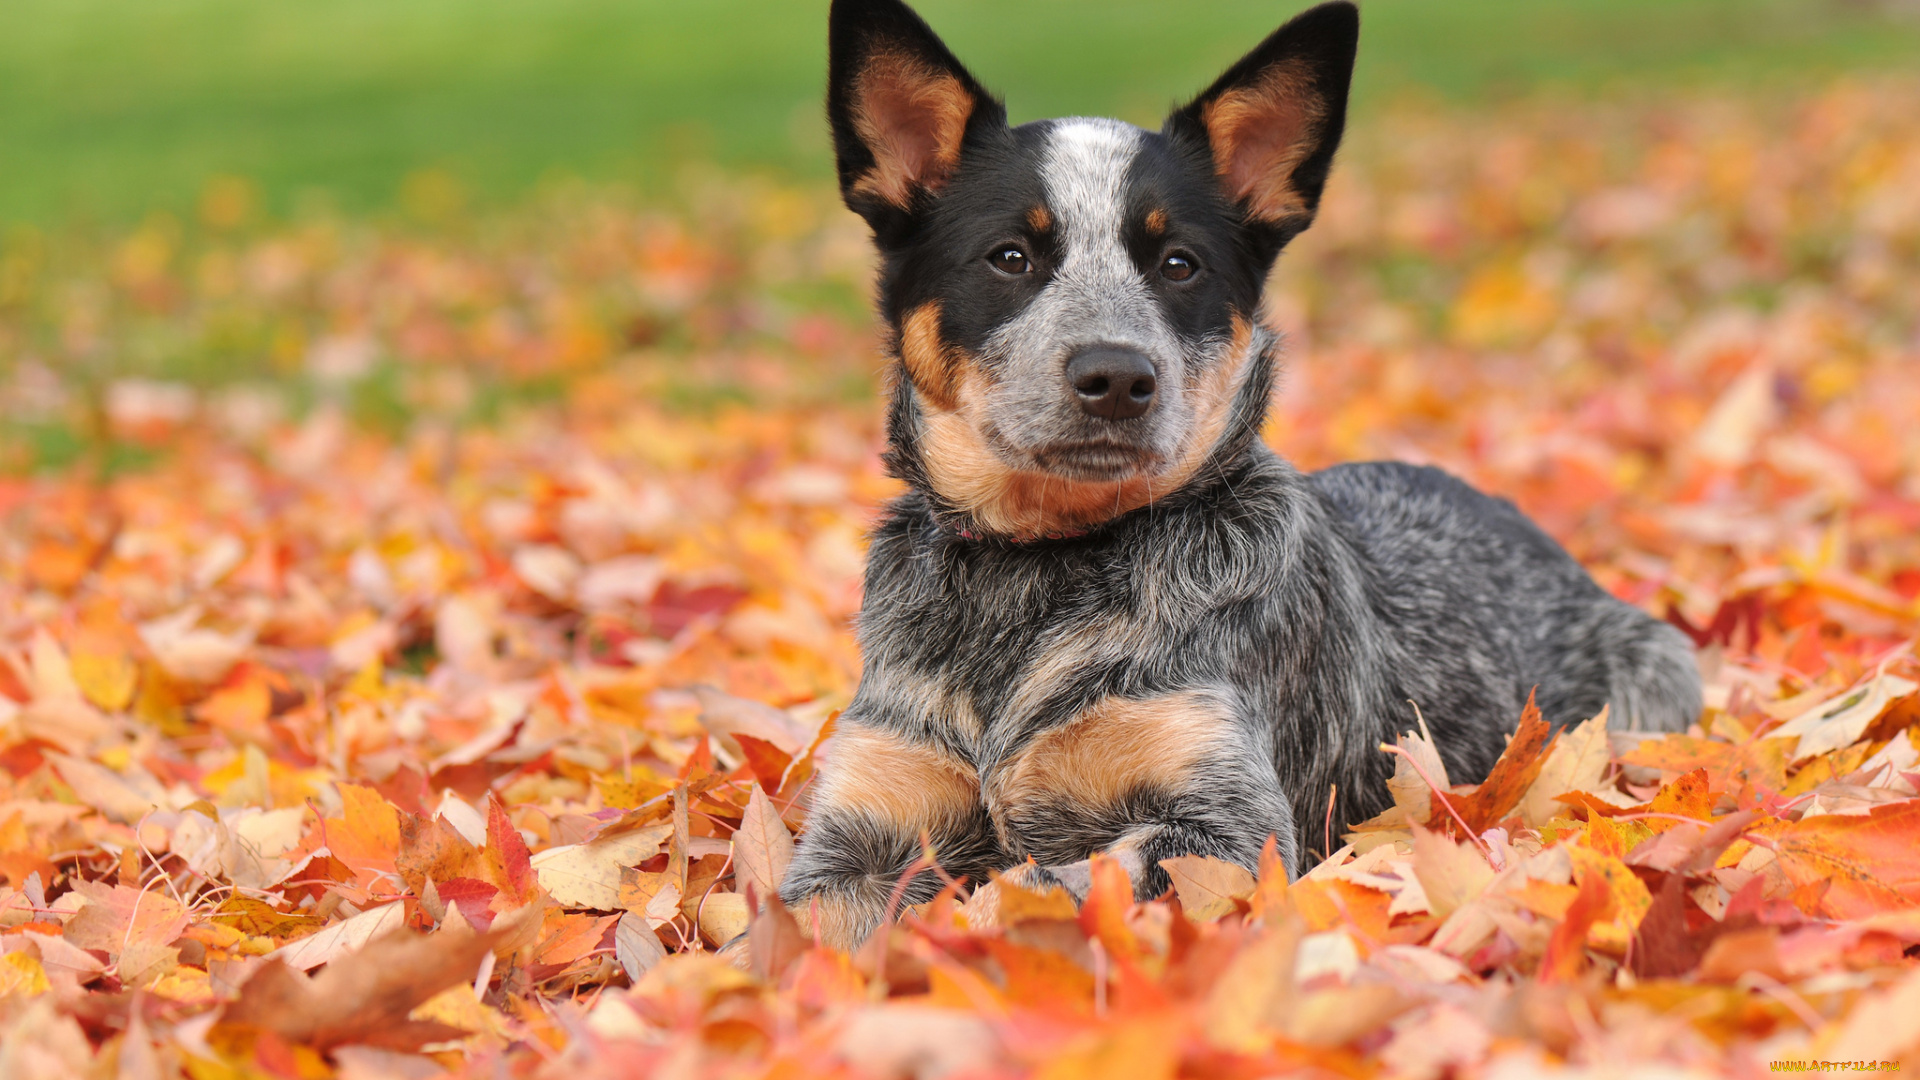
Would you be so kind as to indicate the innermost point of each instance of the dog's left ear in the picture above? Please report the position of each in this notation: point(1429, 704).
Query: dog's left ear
point(900, 106)
point(1273, 121)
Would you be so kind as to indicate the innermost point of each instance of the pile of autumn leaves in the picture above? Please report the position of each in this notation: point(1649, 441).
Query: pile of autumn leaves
point(470, 749)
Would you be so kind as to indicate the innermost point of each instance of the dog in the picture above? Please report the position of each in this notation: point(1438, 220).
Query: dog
point(1105, 617)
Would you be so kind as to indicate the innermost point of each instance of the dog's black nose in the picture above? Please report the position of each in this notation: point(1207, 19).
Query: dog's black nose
point(1112, 383)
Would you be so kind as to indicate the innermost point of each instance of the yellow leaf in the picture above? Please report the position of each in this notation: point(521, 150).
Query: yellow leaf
point(1139, 1050)
point(1254, 993)
point(1207, 887)
point(724, 916)
point(186, 985)
point(1627, 898)
point(588, 875)
point(1019, 904)
point(457, 1007)
point(22, 976)
point(106, 678)
point(1450, 874)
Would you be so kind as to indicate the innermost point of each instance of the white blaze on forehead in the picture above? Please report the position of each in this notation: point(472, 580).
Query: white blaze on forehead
point(1097, 294)
point(1085, 171)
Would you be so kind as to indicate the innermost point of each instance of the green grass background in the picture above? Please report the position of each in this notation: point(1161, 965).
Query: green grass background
point(110, 109)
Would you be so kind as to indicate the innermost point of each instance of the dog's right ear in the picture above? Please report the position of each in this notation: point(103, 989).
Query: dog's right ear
point(900, 106)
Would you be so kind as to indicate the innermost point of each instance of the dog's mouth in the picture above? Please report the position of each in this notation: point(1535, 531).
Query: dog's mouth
point(1097, 460)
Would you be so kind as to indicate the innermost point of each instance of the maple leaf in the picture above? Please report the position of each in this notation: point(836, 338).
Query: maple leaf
point(1868, 864)
point(1577, 762)
point(341, 938)
point(366, 835)
point(1512, 775)
point(768, 762)
point(1450, 874)
point(588, 875)
point(430, 849)
point(509, 862)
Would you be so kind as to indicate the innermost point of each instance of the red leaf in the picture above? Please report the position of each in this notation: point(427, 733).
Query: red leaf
point(472, 896)
point(1869, 863)
point(1566, 949)
point(767, 761)
point(505, 844)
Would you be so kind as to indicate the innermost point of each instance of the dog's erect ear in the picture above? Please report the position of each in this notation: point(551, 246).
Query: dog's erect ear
point(899, 103)
point(1273, 121)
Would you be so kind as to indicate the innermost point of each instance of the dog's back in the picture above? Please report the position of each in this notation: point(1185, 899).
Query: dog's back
point(1485, 608)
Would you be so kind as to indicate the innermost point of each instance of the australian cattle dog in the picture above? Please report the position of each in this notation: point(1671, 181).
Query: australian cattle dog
point(1105, 617)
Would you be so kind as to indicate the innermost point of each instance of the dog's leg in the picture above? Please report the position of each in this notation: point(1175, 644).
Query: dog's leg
point(882, 800)
point(1144, 780)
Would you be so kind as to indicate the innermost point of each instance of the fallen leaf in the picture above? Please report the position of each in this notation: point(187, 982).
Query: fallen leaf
point(1577, 762)
point(1208, 887)
point(342, 938)
point(365, 997)
point(725, 714)
point(115, 917)
point(588, 875)
point(1513, 774)
point(724, 917)
point(636, 946)
point(1451, 874)
point(1869, 863)
point(762, 847)
point(1837, 724)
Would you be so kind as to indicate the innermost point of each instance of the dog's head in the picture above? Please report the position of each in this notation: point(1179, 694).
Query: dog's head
point(1075, 302)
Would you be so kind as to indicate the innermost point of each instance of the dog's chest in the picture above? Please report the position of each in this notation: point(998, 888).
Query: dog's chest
point(1051, 710)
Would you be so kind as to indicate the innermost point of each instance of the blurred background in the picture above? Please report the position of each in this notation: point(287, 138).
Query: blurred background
point(113, 109)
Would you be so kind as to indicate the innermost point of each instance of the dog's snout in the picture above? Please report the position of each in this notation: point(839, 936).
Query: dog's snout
point(1112, 383)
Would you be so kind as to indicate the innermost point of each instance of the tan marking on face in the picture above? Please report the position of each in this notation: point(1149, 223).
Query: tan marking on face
point(1117, 747)
point(913, 118)
point(1019, 502)
point(933, 367)
point(1260, 134)
point(1039, 220)
point(911, 785)
point(1156, 221)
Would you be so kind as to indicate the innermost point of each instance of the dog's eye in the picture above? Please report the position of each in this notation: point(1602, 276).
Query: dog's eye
point(1010, 260)
point(1178, 266)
